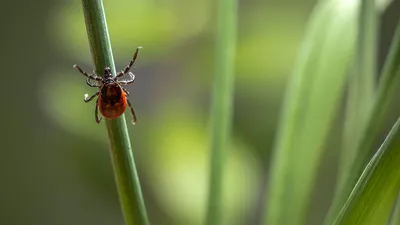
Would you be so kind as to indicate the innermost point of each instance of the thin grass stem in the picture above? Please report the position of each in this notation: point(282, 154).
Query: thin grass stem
point(126, 176)
point(221, 114)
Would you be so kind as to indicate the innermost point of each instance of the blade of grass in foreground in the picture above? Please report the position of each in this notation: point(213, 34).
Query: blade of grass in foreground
point(372, 200)
point(388, 84)
point(222, 104)
point(312, 98)
point(126, 176)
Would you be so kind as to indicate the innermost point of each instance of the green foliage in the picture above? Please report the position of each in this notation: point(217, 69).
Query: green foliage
point(222, 107)
point(359, 98)
point(175, 156)
point(371, 201)
point(388, 84)
point(312, 98)
point(395, 220)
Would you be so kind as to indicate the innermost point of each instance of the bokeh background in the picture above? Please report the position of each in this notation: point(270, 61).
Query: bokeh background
point(54, 164)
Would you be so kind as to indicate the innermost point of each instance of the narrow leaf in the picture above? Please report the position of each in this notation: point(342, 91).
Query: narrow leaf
point(312, 99)
point(372, 200)
point(388, 84)
point(395, 220)
point(221, 114)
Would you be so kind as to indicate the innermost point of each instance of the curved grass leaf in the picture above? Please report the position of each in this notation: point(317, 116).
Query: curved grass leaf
point(388, 84)
point(315, 88)
point(372, 200)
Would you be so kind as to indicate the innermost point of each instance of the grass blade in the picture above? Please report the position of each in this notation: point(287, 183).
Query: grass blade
point(360, 92)
point(126, 176)
point(222, 104)
point(372, 200)
point(388, 84)
point(395, 220)
point(361, 83)
point(315, 88)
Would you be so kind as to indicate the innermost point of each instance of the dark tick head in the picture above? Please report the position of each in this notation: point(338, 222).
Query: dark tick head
point(107, 73)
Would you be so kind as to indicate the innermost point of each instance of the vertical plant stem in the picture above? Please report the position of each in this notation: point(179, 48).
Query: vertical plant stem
point(221, 114)
point(128, 186)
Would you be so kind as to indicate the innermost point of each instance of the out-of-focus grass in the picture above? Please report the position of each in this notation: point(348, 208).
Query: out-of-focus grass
point(264, 53)
point(361, 84)
point(222, 105)
point(360, 94)
point(312, 98)
point(388, 83)
point(395, 220)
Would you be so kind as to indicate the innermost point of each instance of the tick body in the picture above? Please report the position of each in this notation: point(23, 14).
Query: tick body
point(112, 101)
point(111, 97)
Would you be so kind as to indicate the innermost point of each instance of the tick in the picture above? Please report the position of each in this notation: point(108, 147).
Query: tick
point(112, 97)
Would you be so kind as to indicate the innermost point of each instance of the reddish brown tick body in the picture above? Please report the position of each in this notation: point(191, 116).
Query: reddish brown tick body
point(112, 101)
point(112, 97)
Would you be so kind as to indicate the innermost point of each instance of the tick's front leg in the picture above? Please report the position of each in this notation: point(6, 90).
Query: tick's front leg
point(128, 67)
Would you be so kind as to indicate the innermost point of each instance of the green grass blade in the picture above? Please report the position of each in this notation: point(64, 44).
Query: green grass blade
point(360, 91)
point(222, 104)
point(395, 220)
point(126, 176)
point(372, 200)
point(361, 84)
point(312, 98)
point(388, 84)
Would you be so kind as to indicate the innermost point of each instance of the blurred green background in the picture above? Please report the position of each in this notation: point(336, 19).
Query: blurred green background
point(54, 164)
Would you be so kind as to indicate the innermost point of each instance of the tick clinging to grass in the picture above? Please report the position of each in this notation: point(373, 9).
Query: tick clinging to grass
point(112, 97)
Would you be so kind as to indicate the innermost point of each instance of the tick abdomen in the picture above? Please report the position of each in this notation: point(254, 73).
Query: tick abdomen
point(112, 110)
point(112, 101)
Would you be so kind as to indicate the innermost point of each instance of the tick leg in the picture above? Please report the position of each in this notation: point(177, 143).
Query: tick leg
point(91, 84)
point(133, 112)
point(96, 112)
point(128, 81)
point(128, 67)
point(91, 76)
point(126, 91)
point(86, 99)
